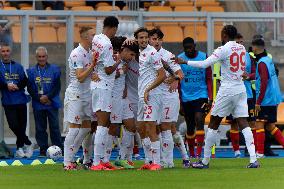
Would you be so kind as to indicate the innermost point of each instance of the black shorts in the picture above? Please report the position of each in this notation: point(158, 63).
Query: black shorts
point(267, 114)
point(251, 112)
point(193, 106)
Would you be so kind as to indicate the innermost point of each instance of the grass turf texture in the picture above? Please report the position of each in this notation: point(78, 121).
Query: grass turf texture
point(223, 173)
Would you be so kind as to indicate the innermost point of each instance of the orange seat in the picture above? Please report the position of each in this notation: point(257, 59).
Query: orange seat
point(160, 9)
point(27, 8)
point(10, 8)
point(108, 8)
point(21, 5)
point(82, 8)
point(102, 4)
point(180, 3)
point(16, 33)
point(76, 3)
point(280, 114)
point(197, 31)
point(40, 34)
point(185, 9)
point(173, 33)
point(200, 3)
point(212, 9)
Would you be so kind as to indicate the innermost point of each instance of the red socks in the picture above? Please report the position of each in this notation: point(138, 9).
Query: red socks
point(199, 141)
point(260, 138)
point(235, 138)
point(278, 136)
point(191, 143)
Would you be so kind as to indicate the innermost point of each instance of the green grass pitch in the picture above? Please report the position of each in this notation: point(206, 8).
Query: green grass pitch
point(223, 174)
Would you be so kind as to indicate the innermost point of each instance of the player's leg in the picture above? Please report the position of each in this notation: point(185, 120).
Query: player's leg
point(199, 124)
point(167, 144)
point(189, 111)
point(101, 104)
point(240, 112)
point(235, 137)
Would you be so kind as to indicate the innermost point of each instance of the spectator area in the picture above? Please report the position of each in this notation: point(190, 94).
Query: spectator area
point(174, 31)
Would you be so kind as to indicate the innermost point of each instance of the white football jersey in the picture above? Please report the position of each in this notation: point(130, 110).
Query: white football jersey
point(149, 63)
point(167, 56)
point(102, 44)
point(79, 58)
point(131, 80)
point(119, 83)
point(232, 57)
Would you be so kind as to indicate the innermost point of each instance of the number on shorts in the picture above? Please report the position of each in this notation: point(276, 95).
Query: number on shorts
point(167, 112)
point(148, 110)
point(235, 60)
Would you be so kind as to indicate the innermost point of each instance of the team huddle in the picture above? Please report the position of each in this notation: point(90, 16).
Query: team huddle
point(137, 83)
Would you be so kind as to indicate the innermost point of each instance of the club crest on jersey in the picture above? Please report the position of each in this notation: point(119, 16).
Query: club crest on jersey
point(75, 65)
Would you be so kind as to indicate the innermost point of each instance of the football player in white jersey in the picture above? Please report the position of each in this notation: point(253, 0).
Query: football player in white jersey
point(77, 102)
point(151, 75)
point(170, 102)
point(102, 88)
point(231, 97)
point(121, 107)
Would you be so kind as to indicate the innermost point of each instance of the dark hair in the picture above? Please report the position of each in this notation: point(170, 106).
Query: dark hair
point(4, 44)
point(117, 42)
point(111, 22)
point(258, 40)
point(188, 40)
point(231, 31)
point(239, 36)
point(133, 47)
point(142, 29)
point(84, 29)
point(157, 31)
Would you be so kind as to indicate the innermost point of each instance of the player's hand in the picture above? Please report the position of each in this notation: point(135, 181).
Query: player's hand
point(124, 93)
point(95, 77)
point(125, 68)
point(169, 80)
point(146, 96)
point(128, 42)
point(174, 86)
point(245, 76)
point(178, 60)
point(257, 109)
point(95, 59)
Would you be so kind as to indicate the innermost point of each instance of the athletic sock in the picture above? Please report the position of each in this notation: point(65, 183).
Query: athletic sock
point(249, 143)
point(88, 146)
point(99, 144)
point(260, 138)
point(191, 144)
point(108, 147)
point(146, 143)
point(69, 145)
point(235, 138)
point(126, 145)
point(156, 152)
point(167, 146)
point(180, 145)
point(253, 130)
point(278, 136)
point(210, 140)
point(199, 140)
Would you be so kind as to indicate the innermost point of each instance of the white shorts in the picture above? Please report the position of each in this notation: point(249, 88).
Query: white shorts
point(101, 100)
point(134, 108)
point(76, 110)
point(170, 109)
point(150, 111)
point(225, 105)
point(121, 110)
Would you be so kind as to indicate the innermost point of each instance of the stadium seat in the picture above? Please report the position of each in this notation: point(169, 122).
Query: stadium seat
point(82, 8)
point(101, 4)
point(197, 31)
point(26, 8)
point(203, 3)
point(10, 8)
point(180, 3)
point(160, 9)
point(21, 5)
point(212, 9)
point(76, 3)
point(173, 33)
point(185, 9)
point(40, 31)
point(108, 8)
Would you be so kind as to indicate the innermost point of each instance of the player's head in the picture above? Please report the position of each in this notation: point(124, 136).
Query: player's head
point(41, 55)
point(142, 37)
point(110, 26)
point(5, 51)
point(240, 39)
point(228, 33)
point(127, 51)
point(87, 34)
point(189, 47)
point(257, 44)
point(156, 38)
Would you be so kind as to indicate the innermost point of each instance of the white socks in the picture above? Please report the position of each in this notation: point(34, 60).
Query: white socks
point(100, 143)
point(180, 145)
point(88, 146)
point(146, 143)
point(249, 143)
point(167, 144)
point(126, 145)
point(209, 142)
point(156, 152)
point(109, 142)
